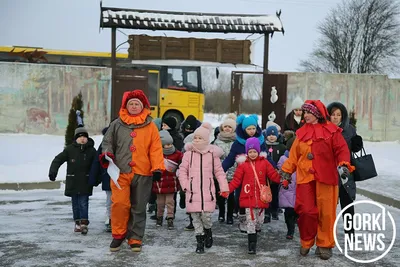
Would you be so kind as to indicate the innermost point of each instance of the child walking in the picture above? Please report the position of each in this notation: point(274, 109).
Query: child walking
point(287, 195)
point(169, 183)
point(200, 163)
point(79, 156)
point(253, 170)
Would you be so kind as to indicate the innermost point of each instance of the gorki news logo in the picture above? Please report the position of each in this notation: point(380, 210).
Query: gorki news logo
point(374, 232)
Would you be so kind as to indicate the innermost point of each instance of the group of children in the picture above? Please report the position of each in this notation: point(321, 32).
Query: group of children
point(233, 168)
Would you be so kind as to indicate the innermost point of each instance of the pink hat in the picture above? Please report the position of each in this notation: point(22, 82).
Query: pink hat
point(204, 131)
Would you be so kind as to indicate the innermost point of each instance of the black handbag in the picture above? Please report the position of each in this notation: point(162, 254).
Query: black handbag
point(365, 166)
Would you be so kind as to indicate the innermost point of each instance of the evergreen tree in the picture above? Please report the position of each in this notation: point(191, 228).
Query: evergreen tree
point(76, 108)
point(352, 118)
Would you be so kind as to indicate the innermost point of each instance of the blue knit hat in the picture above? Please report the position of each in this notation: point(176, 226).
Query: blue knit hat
point(251, 120)
point(253, 143)
point(272, 130)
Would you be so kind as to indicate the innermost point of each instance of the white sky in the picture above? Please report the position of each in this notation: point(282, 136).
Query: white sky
point(74, 24)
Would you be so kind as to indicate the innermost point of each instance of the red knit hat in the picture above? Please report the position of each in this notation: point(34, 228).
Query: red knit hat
point(138, 94)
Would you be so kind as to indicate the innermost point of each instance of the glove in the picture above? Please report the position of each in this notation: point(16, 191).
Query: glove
point(156, 176)
point(285, 176)
point(102, 159)
point(52, 176)
point(344, 173)
point(224, 194)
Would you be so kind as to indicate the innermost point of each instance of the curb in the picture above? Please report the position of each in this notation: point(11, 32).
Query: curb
point(30, 186)
point(379, 198)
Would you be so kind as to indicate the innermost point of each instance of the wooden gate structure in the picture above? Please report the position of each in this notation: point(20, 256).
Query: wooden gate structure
point(153, 20)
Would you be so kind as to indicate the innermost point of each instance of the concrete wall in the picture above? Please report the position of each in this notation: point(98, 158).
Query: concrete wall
point(36, 98)
point(374, 98)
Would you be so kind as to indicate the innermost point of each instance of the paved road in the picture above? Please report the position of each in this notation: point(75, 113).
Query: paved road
point(36, 229)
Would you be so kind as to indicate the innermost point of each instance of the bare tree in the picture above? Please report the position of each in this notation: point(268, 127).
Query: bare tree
point(358, 36)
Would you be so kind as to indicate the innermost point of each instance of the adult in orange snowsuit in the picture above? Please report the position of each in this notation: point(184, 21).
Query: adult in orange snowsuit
point(133, 142)
point(317, 153)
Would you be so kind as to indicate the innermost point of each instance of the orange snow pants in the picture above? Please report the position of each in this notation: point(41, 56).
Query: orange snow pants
point(128, 210)
point(316, 206)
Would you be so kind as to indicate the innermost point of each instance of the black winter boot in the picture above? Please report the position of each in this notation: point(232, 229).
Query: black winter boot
point(208, 238)
point(200, 244)
point(116, 244)
point(252, 243)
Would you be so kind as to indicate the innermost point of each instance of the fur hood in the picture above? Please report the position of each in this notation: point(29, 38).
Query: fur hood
point(345, 115)
point(216, 151)
point(243, 157)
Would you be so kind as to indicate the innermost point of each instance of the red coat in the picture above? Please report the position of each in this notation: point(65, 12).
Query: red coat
point(244, 176)
point(169, 183)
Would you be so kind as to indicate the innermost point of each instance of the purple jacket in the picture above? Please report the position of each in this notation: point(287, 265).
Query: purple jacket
point(287, 197)
point(196, 174)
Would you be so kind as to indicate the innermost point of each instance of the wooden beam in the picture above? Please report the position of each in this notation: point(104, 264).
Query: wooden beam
point(113, 67)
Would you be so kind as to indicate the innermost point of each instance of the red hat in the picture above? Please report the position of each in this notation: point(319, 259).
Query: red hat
point(317, 108)
point(138, 94)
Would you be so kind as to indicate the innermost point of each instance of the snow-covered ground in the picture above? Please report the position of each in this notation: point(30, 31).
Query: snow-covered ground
point(27, 158)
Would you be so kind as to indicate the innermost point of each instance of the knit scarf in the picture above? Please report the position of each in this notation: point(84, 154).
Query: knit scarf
point(200, 146)
point(227, 137)
point(169, 151)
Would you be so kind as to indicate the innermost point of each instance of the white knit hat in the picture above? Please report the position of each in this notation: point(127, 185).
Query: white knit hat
point(229, 120)
point(297, 103)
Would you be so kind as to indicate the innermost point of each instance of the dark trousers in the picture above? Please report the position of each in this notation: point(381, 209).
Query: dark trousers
point(238, 209)
point(274, 205)
point(345, 200)
point(290, 220)
point(80, 207)
point(221, 205)
point(153, 198)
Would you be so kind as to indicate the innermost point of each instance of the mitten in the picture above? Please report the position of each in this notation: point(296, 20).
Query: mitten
point(52, 176)
point(224, 194)
point(156, 176)
point(285, 176)
point(102, 159)
point(285, 184)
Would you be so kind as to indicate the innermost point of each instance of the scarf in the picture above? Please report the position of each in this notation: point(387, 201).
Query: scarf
point(297, 119)
point(169, 151)
point(272, 144)
point(227, 137)
point(201, 147)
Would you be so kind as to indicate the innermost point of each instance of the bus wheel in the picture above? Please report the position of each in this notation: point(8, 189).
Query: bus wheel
point(178, 117)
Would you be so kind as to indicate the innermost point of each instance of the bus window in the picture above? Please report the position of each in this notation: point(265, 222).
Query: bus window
point(153, 88)
point(183, 78)
point(175, 78)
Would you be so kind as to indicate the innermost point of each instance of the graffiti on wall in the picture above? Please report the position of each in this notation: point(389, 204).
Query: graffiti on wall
point(374, 99)
point(36, 98)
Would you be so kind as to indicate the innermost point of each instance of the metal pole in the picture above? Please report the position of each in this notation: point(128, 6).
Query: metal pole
point(113, 68)
point(264, 102)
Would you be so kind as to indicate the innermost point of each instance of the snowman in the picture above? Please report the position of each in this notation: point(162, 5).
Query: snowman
point(274, 96)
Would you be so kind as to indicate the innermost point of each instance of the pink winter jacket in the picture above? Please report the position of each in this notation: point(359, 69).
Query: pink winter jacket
point(196, 177)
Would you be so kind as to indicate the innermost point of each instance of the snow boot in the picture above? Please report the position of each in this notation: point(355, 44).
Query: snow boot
point(190, 227)
point(252, 239)
point(267, 218)
point(116, 244)
point(208, 239)
point(136, 245)
point(159, 221)
point(242, 223)
point(324, 253)
point(151, 208)
point(229, 220)
point(274, 216)
point(77, 228)
point(304, 251)
point(84, 227)
point(170, 223)
point(200, 244)
point(107, 225)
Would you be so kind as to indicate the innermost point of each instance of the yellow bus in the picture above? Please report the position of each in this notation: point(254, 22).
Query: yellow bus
point(173, 90)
